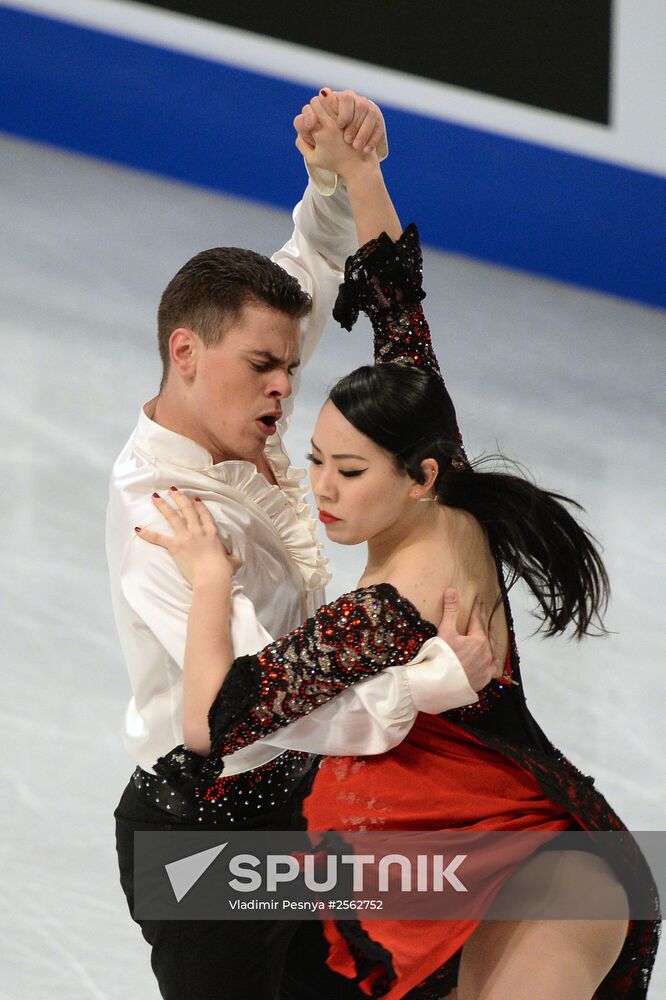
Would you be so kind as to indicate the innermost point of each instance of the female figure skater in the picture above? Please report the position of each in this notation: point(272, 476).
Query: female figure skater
point(389, 468)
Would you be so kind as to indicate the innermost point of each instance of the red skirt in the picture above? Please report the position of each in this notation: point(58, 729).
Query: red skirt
point(440, 778)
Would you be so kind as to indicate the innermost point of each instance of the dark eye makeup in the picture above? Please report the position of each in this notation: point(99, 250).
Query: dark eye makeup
point(347, 473)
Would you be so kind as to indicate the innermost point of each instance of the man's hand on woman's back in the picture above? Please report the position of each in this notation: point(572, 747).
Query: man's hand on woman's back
point(474, 650)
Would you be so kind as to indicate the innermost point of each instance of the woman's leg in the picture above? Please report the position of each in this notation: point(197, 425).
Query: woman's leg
point(549, 958)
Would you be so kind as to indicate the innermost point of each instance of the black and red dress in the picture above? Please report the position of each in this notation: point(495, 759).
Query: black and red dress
point(484, 767)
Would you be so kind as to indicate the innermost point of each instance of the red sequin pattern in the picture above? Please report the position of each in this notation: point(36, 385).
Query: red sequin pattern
point(358, 635)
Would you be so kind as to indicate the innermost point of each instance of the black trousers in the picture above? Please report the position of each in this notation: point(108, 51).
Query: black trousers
point(204, 959)
point(306, 975)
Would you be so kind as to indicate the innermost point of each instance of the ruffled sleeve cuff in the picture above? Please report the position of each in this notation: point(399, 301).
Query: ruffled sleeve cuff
point(183, 769)
point(381, 277)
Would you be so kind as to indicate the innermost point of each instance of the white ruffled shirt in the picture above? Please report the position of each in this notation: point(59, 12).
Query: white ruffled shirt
point(281, 581)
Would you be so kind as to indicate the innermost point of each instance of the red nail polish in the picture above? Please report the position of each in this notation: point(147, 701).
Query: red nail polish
point(324, 91)
point(174, 489)
point(156, 496)
point(197, 499)
point(137, 529)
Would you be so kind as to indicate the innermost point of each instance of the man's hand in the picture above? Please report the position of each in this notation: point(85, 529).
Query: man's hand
point(357, 117)
point(474, 650)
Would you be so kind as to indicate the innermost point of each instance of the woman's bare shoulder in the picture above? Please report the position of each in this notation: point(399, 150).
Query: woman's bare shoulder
point(421, 590)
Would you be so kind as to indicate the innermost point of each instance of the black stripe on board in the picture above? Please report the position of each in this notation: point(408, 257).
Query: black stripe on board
point(552, 54)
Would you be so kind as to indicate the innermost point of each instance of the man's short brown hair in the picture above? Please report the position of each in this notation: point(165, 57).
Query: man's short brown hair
point(210, 290)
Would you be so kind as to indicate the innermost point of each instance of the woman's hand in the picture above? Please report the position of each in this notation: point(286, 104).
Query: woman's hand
point(196, 545)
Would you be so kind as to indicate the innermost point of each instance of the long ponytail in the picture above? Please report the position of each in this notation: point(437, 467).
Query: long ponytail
point(408, 412)
point(539, 541)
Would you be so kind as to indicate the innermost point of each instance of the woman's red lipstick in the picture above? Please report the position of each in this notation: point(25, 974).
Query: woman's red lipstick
point(327, 518)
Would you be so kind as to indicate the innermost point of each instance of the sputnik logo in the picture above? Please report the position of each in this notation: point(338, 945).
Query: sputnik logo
point(186, 872)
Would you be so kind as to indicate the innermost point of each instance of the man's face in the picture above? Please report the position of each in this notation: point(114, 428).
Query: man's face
point(235, 395)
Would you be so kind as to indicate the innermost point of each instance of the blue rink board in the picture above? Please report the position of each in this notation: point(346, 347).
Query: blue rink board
point(511, 202)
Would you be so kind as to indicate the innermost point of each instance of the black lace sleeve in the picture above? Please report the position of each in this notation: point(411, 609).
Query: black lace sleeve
point(384, 280)
point(353, 638)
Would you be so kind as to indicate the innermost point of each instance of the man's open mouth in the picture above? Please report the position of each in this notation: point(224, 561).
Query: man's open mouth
point(268, 422)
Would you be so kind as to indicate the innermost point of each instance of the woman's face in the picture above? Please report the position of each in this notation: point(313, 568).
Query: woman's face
point(358, 489)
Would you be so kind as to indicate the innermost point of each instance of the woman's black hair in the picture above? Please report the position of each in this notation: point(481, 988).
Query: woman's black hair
point(407, 411)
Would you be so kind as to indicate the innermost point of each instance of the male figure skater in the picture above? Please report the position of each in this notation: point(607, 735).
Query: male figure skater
point(233, 329)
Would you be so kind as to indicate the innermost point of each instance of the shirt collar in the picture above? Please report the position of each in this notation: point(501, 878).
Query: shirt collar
point(159, 442)
point(285, 505)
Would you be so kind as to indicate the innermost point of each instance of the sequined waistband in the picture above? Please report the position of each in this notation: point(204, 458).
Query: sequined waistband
point(235, 798)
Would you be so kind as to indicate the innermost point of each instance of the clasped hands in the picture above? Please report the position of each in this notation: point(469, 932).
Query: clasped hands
point(339, 130)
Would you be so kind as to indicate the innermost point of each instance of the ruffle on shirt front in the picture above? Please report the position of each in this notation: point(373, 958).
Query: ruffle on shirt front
point(286, 507)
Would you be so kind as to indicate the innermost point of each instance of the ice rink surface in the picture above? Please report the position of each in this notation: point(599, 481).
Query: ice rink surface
point(569, 382)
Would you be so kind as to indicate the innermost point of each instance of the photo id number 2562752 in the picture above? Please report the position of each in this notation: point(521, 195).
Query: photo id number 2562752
point(354, 904)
